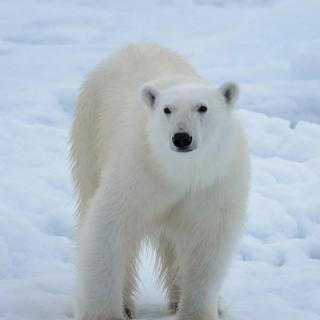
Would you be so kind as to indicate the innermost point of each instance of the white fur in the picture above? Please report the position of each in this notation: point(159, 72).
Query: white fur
point(132, 185)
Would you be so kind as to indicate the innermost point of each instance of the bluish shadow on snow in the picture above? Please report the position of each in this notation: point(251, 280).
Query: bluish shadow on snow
point(153, 311)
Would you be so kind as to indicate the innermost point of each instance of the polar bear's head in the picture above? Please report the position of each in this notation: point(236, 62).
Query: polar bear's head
point(189, 117)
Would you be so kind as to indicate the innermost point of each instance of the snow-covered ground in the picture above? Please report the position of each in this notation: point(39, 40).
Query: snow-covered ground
point(271, 47)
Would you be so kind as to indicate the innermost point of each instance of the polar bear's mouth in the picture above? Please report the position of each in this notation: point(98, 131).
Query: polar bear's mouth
point(183, 149)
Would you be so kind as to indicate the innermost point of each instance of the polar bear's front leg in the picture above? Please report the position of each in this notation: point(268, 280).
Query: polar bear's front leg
point(205, 242)
point(204, 266)
point(104, 251)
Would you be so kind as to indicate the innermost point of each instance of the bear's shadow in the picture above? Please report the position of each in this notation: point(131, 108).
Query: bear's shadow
point(148, 311)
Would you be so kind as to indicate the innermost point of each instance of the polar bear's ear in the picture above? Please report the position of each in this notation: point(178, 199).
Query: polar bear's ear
point(148, 95)
point(230, 92)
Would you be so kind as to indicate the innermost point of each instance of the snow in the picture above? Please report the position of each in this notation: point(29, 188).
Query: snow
point(271, 47)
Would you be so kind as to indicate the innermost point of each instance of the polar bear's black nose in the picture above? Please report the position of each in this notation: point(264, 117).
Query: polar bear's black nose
point(182, 140)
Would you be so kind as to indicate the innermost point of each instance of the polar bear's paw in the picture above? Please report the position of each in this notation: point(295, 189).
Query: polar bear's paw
point(223, 307)
point(129, 312)
point(173, 307)
point(129, 308)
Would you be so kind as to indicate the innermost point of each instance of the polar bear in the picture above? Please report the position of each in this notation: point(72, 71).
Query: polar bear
point(159, 154)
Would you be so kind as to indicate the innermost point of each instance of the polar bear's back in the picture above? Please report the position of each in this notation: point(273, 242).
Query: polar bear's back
point(109, 101)
point(140, 63)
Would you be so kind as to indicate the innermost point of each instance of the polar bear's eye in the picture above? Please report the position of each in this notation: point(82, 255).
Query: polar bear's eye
point(166, 110)
point(202, 109)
